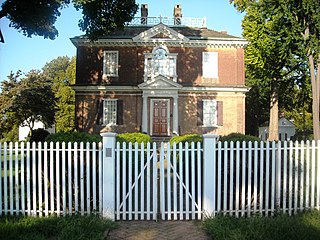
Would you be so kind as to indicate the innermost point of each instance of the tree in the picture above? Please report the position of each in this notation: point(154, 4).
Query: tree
point(269, 63)
point(34, 17)
point(305, 16)
point(61, 72)
point(26, 101)
point(300, 26)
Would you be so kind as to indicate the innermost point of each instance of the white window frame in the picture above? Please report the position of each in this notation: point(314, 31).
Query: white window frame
point(169, 63)
point(210, 65)
point(110, 66)
point(110, 112)
point(210, 113)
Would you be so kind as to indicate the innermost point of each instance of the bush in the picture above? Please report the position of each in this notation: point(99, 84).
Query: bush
point(234, 137)
point(133, 137)
point(39, 135)
point(303, 135)
point(189, 138)
point(73, 137)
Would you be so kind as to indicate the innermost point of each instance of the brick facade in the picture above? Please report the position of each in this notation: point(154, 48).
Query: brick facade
point(189, 89)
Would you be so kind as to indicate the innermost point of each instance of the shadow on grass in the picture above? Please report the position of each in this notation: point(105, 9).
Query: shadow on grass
point(304, 225)
point(52, 227)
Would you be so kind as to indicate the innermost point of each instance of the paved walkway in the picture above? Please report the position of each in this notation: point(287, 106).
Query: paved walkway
point(144, 230)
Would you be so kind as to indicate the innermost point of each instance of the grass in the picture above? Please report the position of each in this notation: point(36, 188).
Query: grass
point(304, 225)
point(69, 228)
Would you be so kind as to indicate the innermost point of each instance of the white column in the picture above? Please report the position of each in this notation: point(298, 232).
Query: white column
point(209, 170)
point(108, 178)
point(145, 114)
point(175, 115)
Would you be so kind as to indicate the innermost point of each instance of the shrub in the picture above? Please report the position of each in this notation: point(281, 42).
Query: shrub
point(73, 137)
point(234, 137)
point(39, 135)
point(189, 138)
point(303, 135)
point(133, 137)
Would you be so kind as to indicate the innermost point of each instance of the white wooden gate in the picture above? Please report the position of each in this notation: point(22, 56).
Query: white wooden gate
point(156, 183)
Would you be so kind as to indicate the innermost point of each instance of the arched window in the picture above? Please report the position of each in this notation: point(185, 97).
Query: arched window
point(160, 62)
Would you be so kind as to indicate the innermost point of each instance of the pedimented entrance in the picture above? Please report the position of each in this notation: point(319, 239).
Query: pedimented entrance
point(157, 117)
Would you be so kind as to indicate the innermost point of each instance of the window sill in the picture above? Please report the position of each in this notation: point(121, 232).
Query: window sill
point(211, 126)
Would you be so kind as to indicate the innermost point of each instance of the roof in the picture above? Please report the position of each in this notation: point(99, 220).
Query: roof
point(192, 33)
point(191, 36)
point(283, 122)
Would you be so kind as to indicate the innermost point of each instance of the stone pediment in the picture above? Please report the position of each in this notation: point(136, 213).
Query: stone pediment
point(160, 82)
point(160, 32)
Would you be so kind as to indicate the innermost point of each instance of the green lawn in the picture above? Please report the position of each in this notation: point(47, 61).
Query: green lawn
point(301, 226)
point(68, 228)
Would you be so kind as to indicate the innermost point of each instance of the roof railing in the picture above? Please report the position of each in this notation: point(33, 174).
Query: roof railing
point(170, 21)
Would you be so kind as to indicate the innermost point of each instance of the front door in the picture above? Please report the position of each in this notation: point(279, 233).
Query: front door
point(160, 118)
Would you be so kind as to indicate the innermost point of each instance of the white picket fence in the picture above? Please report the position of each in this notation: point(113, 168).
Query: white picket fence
point(42, 179)
point(141, 182)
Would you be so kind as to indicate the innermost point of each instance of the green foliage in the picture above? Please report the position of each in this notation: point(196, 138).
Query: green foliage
point(101, 17)
point(234, 137)
point(303, 135)
point(133, 137)
point(52, 227)
point(38, 135)
point(189, 138)
point(33, 17)
point(26, 101)
point(61, 71)
point(301, 226)
point(38, 18)
point(282, 52)
point(73, 137)
point(12, 135)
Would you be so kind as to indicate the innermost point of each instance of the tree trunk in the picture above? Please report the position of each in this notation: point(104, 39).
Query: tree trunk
point(315, 97)
point(273, 120)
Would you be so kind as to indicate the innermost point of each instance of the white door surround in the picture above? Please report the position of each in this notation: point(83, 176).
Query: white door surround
point(163, 88)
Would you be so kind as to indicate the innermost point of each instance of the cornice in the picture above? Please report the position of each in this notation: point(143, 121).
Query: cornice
point(202, 43)
point(195, 89)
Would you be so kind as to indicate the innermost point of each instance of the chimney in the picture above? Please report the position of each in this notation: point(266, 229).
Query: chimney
point(177, 14)
point(144, 14)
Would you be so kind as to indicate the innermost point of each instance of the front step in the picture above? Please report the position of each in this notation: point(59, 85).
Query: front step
point(159, 140)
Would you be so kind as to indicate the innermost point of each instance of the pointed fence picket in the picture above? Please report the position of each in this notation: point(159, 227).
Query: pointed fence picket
point(39, 179)
point(175, 182)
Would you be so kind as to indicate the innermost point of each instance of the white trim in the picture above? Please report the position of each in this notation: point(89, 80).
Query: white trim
point(168, 114)
point(104, 67)
point(160, 28)
point(200, 43)
point(215, 112)
point(104, 107)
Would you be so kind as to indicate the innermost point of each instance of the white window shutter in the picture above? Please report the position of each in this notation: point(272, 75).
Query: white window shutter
point(210, 64)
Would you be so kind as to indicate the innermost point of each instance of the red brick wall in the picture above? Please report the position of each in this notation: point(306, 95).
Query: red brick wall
point(131, 66)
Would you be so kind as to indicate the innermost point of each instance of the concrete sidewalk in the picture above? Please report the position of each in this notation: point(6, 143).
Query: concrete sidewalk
point(157, 230)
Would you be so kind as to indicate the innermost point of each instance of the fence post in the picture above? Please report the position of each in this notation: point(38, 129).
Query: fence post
point(108, 174)
point(209, 173)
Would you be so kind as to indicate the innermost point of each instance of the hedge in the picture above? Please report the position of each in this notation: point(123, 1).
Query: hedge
point(73, 137)
point(234, 137)
point(133, 137)
point(189, 138)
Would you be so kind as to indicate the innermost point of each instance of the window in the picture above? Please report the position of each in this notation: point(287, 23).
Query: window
point(110, 64)
point(209, 113)
point(210, 64)
point(160, 62)
point(109, 112)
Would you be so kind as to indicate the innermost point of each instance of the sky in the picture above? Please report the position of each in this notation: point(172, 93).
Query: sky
point(22, 53)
